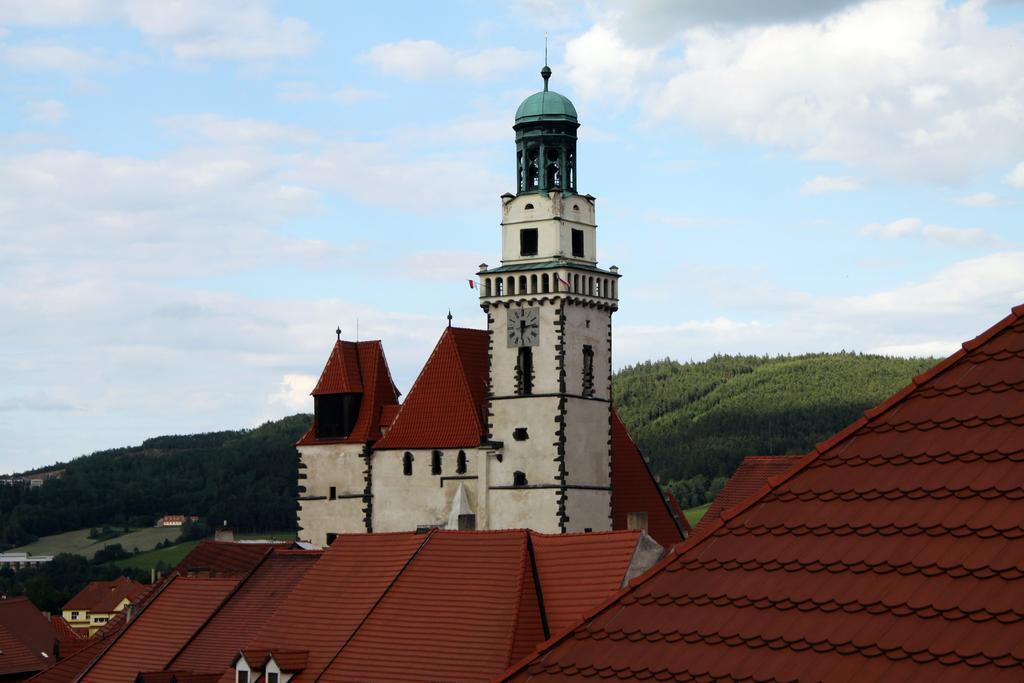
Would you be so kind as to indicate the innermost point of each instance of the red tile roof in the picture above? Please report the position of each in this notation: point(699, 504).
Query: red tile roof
point(255, 601)
point(634, 489)
point(335, 596)
point(443, 605)
point(579, 571)
point(357, 367)
point(70, 666)
point(27, 638)
point(447, 404)
point(16, 657)
point(103, 597)
point(152, 638)
point(893, 551)
point(225, 558)
point(749, 478)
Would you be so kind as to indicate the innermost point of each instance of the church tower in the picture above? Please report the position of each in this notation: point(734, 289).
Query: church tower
point(549, 311)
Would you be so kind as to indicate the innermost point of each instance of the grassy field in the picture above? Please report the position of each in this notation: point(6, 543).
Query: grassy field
point(694, 515)
point(168, 556)
point(79, 543)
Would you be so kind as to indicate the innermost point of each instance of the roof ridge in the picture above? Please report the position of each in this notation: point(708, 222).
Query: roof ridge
point(518, 601)
point(227, 598)
point(370, 610)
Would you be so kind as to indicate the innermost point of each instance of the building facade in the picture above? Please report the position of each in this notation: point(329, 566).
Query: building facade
point(511, 426)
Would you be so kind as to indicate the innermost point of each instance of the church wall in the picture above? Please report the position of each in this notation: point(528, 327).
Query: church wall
point(327, 465)
point(554, 218)
point(524, 509)
point(402, 502)
point(588, 510)
point(503, 358)
point(534, 456)
point(598, 336)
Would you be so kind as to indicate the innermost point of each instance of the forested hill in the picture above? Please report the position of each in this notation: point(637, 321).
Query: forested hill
point(247, 477)
point(696, 421)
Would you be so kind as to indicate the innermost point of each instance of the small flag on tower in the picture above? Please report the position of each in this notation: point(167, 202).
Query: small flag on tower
point(567, 284)
point(472, 284)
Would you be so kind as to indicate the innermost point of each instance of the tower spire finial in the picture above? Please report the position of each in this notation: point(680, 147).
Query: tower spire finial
point(449, 317)
point(338, 332)
point(545, 73)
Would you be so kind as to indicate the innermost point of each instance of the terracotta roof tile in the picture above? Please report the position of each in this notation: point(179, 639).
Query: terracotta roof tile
point(255, 601)
point(894, 551)
point(357, 367)
point(26, 630)
point(335, 596)
point(105, 596)
point(634, 489)
point(151, 639)
point(446, 405)
point(225, 558)
point(749, 478)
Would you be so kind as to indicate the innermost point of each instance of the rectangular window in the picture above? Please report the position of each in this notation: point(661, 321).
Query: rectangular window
point(577, 243)
point(334, 493)
point(273, 677)
point(242, 677)
point(528, 242)
point(524, 371)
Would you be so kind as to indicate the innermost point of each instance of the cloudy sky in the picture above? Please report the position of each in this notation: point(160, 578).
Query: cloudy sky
point(193, 194)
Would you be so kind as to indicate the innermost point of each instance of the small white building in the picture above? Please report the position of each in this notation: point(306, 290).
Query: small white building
point(21, 560)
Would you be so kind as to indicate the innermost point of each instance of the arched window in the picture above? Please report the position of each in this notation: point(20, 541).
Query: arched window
point(519, 478)
point(460, 463)
point(590, 285)
point(532, 170)
point(533, 284)
point(511, 282)
point(604, 291)
point(528, 207)
point(522, 284)
point(435, 462)
point(576, 283)
point(487, 287)
point(615, 288)
point(407, 464)
point(545, 283)
point(499, 286)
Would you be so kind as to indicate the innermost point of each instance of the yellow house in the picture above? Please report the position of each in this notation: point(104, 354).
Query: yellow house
point(99, 602)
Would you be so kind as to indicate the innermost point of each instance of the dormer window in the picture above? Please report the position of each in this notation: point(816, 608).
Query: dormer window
point(273, 677)
point(241, 676)
point(336, 414)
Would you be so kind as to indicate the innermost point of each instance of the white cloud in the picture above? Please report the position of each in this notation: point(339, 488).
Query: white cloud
point(191, 29)
point(939, 234)
point(50, 112)
point(355, 95)
point(420, 60)
point(46, 56)
point(238, 131)
point(921, 89)
point(981, 199)
point(456, 267)
point(821, 184)
point(1016, 176)
point(293, 394)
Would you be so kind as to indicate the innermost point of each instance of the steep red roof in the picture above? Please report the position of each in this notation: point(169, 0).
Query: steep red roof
point(150, 640)
point(446, 405)
point(357, 367)
point(225, 558)
point(16, 657)
point(27, 638)
point(255, 601)
point(634, 489)
point(104, 596)
point(893, 551)
point(579, 571)
point(749, 478)
point(70, 666)
point(335, 596)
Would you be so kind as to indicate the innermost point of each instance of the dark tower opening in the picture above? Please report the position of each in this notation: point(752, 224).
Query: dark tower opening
point(336, 414)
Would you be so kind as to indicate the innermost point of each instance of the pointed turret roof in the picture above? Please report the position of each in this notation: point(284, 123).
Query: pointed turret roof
point(445, 407)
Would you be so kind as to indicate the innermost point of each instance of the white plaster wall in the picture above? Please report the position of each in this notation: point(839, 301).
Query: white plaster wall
point(588, 510)
point(524, 509)
point(504, 359)
point(577, 335)
point(554, 217)
point(401, 503)
point(534, 456)
point(587, 433)
point(338, 465)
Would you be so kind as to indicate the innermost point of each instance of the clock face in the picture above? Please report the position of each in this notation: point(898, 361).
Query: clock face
point(523, 327)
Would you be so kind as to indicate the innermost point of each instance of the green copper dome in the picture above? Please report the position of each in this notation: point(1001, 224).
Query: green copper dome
point(546, 105)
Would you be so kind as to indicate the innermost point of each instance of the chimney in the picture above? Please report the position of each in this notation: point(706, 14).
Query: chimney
point(224, 533)
point(636, 521)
